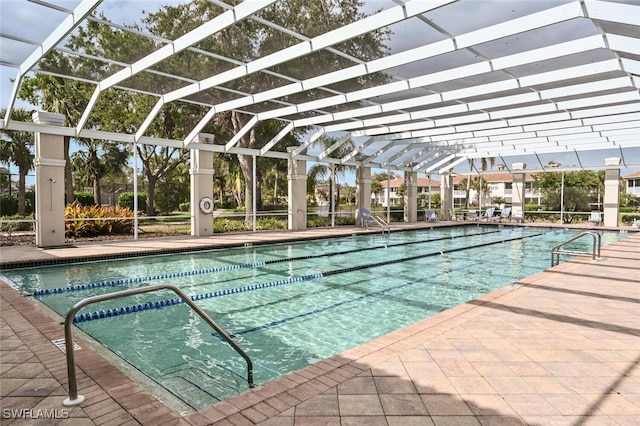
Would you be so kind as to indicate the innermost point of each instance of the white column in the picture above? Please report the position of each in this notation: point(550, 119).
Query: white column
point(297, 192)
point(446, 196)
point(49, 164)
point(411, 197)
point(201, 177)
point(363, 190)
point(518, 190)
point(611, 191)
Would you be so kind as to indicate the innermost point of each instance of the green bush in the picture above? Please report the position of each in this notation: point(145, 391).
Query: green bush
point(126, 201)
point(26, 223)
point(627, 219)
point(8, 205)
point(318, 221)
point(184, 207)
point(222, 225)
point(84, 198)
point(268, 223)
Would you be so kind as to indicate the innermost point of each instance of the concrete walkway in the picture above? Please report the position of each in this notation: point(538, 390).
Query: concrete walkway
point(561, 347)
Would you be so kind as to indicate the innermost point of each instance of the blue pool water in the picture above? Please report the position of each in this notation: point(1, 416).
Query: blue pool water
point(287, 305)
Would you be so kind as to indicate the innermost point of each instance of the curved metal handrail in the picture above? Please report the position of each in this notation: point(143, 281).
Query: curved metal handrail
point(595, 252)
point(382, 223)
point(74, 398)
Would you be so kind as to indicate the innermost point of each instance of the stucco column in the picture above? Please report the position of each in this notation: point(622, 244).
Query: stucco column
point(518, 191)
point(201, 177)
point(611, 191)
point(363, 190)
point(49, 164)
point(411, 197)
point(297, 193)
point(446, 196)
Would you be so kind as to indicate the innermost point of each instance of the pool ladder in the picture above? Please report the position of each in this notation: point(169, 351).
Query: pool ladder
point(595, 251)
point(383, 224)
point(74, 398)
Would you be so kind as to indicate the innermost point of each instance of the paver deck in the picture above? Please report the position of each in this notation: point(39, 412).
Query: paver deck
point(561, 347)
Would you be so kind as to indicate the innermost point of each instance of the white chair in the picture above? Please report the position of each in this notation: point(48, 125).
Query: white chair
point(365, 218)
point(431, 216)
point(517, 215)
point(504, 214)
point(595, 217)
point(487, 214)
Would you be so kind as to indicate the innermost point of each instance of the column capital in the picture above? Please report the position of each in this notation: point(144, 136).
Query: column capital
point(49, 162)
point(51, 118)
point(201, 171)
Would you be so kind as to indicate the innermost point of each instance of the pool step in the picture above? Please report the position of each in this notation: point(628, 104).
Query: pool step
point(199, 388)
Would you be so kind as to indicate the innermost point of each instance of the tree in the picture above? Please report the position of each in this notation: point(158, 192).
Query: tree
point(476, 183)
point(484, 165)
point(98, 161)
point(383, 177)
point(61, 96)
point(123, 111)
point(348, 193)
point(249, 40)
point(376, 187)
point(435, 200)
point(16, 149)
point(116, 110)
point(173, 190)
point(320, 170)
point(580, 189)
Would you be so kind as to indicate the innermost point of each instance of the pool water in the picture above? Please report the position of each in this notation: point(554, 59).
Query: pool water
point(287, 305)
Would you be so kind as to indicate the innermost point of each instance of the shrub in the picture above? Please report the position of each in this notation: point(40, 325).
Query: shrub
point(90, 221)
point(184, 207)
point(84, 198)
point(126, 201)
point(26, 223)
point(318, 221)
point(229, 225)
point(267, 223)
point(8, 205)
point(628, 219)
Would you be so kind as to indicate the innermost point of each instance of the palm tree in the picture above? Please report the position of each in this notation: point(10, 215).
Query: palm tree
point(17, 149)
point(376, 188)
point(484, 162)
point(320, 170)
point(99, 160)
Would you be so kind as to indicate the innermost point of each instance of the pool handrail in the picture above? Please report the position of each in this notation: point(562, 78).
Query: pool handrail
point(74, 398)
point(595, 252)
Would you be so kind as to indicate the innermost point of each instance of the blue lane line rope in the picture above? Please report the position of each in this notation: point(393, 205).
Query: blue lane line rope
point(177, 301)
point(138, 280)
point(219, 293)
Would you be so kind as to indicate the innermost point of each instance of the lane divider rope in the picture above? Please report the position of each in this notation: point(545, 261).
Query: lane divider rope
point(235, 290)
point(177, 301)
point(138, 280)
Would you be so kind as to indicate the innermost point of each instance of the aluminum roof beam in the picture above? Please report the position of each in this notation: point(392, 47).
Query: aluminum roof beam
point(58, 34)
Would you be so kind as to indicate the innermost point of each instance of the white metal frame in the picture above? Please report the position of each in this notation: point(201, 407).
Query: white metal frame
point(572, 105)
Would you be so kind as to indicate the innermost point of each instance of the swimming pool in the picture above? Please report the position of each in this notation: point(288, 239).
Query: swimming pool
point(287, 305)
